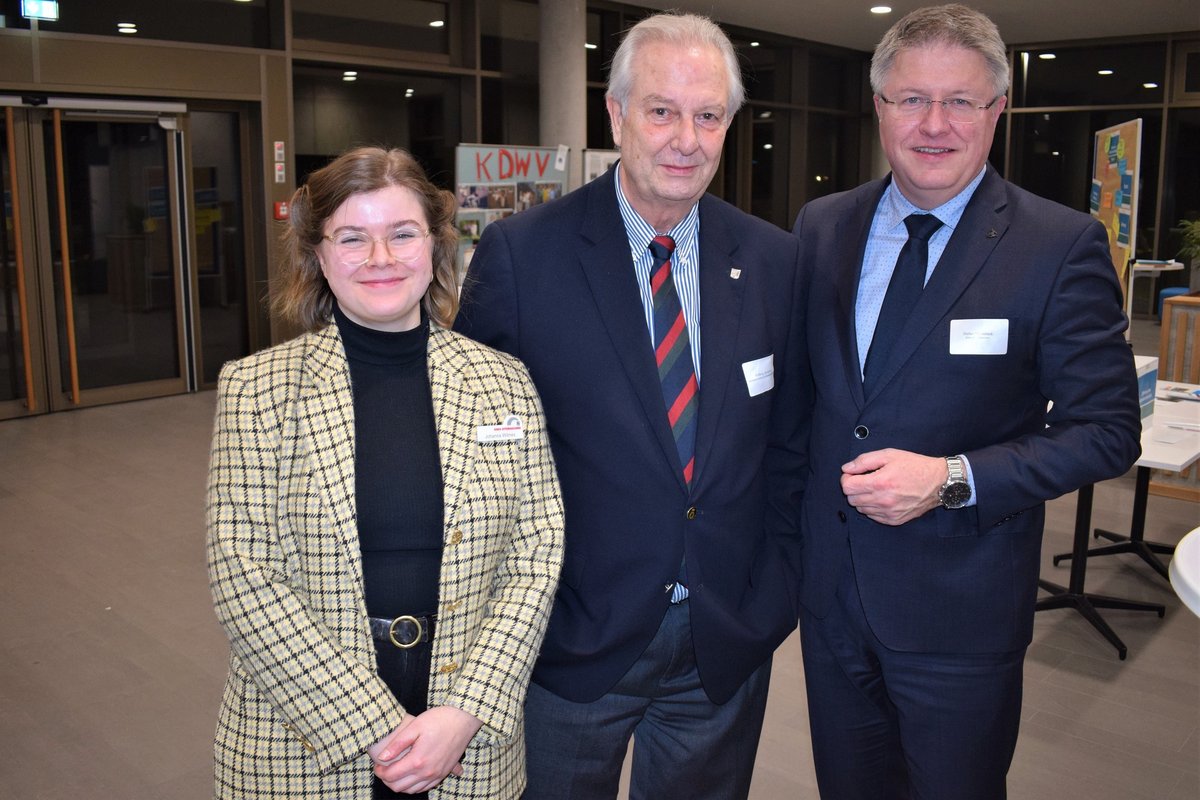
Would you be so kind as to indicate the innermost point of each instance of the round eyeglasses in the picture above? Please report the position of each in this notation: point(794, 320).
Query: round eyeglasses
point(956, 109)
point(354, 248)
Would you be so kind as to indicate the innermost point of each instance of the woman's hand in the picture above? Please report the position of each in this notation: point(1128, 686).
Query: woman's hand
point(424, 749)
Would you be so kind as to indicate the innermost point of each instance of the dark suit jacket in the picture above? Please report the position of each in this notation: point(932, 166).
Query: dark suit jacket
point(555, 286)
point(966, 580)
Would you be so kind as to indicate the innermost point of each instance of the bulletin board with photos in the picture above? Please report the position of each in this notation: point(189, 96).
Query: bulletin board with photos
point(495, 181)
point(1114, 192)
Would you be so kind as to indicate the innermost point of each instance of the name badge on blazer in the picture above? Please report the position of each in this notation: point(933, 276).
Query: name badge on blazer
point(510, 430)
point(978, 337)
point(760, 374)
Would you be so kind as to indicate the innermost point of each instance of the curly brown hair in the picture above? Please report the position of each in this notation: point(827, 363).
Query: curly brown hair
point(301, 294)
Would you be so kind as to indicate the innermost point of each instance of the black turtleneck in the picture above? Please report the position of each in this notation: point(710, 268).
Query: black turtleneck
point(398, 478)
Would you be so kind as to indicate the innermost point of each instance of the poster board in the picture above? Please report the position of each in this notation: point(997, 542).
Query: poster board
point(1114, 195)
point(493, 181)
point(597, 162)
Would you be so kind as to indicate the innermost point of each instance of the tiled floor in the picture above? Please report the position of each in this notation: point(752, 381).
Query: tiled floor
point(111, 663)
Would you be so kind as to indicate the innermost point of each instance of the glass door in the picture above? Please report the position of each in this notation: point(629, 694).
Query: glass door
point(94, 287)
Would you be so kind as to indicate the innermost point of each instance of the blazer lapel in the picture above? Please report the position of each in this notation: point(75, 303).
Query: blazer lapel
point(456, 416)
point(326, 417)
point(608, 269)
point(982, 226)
point(720, 318)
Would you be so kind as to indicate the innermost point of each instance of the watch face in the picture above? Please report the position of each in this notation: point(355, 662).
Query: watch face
point(956, 495)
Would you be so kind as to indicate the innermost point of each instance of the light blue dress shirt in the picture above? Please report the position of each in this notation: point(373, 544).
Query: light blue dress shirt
point(884, 243)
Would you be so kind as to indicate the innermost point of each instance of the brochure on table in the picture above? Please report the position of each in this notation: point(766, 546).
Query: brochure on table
point(494, 181)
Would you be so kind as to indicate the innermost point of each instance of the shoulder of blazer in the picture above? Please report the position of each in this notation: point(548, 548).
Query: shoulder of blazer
point(277, 373)
point(458, 355)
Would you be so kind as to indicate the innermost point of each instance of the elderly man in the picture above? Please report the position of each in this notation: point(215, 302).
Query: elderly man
point(657, 322)
point(946, 307)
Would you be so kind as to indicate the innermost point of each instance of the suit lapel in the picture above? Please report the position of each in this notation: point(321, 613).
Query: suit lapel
point(326, 415)
point(608, 269)
point(720, 318)
point(982, 226)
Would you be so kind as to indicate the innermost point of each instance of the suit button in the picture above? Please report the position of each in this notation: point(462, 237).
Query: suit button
point(862, 432)
point(841, 516)
point(691, 513)
point(456, 537)
point(446, 669)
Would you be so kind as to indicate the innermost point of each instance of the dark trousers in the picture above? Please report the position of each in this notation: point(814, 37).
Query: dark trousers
point(917, 726)
point(684, 745)
point(406, 672)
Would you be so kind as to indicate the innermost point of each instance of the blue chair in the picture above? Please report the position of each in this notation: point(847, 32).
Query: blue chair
point(1170, 291)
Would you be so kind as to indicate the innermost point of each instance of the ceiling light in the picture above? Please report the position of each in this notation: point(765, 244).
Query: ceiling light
point(765, 115)
point(818, 178)
point(768, 146)
point(1104, 72)
point(881, 9)
point(437, 23)
point(350, 75)
point(1054, 152)
point(590, 46)
point(1150, 85)
point(1047, 56)
point(126, 27)
point(754, 44)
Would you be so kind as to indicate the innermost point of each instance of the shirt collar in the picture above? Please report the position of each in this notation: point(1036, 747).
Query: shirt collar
point(896, 207)
point(640, 232)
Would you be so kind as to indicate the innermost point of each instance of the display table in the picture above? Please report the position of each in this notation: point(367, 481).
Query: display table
point(1185, 571)
point(1175, 455)
point(1151, 270)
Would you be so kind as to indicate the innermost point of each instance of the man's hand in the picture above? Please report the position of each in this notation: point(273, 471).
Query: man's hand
point(424, 749)
point(893, 486)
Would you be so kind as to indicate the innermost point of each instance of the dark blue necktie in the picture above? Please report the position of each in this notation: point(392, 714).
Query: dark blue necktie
point(905, 287)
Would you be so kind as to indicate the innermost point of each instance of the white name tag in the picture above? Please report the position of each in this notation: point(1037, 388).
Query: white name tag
point(510, 430)
point(760, 374)
point(978, 337)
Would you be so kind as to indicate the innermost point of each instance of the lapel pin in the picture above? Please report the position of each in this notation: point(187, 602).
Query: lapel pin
point(991, 234)
point(735, 273)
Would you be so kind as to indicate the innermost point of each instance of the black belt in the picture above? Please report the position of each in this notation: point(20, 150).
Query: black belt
point(404, 632)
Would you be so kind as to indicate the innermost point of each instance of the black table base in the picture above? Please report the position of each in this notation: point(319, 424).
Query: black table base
point(1135, 542)
point(1073, 596)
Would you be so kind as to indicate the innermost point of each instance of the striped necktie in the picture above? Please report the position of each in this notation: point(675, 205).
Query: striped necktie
point(673, 352)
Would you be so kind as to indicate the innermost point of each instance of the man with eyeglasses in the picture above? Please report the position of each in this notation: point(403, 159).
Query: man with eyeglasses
point(946, 307)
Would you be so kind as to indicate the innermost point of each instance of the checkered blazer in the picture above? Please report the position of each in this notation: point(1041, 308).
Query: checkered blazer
point(303, 700)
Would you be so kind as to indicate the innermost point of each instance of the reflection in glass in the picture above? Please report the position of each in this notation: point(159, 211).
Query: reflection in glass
point(1109, 75)
point(415, 25)
point(12, 351)
point(120, 251)
point(220, 240)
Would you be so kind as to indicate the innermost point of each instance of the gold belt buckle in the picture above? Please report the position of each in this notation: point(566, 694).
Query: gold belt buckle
point(414, 621)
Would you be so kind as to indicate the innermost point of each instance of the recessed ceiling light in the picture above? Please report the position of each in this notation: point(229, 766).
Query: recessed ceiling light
point(1104, 72)
point(754, 44)
point(1047, 56)
point(818, 178)
point(127, 27)
point(350, 73)
point(881, 9)
point(590, 46)
point(765, 115)
point(768, 146)
point(1150, 85)
point(437, 23)
point(1054, 152)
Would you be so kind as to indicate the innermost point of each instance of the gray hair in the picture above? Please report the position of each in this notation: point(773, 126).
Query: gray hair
point(954, 25)
point(681, 29)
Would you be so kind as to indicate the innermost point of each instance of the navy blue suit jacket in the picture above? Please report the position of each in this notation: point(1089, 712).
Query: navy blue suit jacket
point(555, 286)
point(965, 581)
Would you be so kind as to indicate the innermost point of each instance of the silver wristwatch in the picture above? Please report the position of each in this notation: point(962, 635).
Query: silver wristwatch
point(955, 492)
